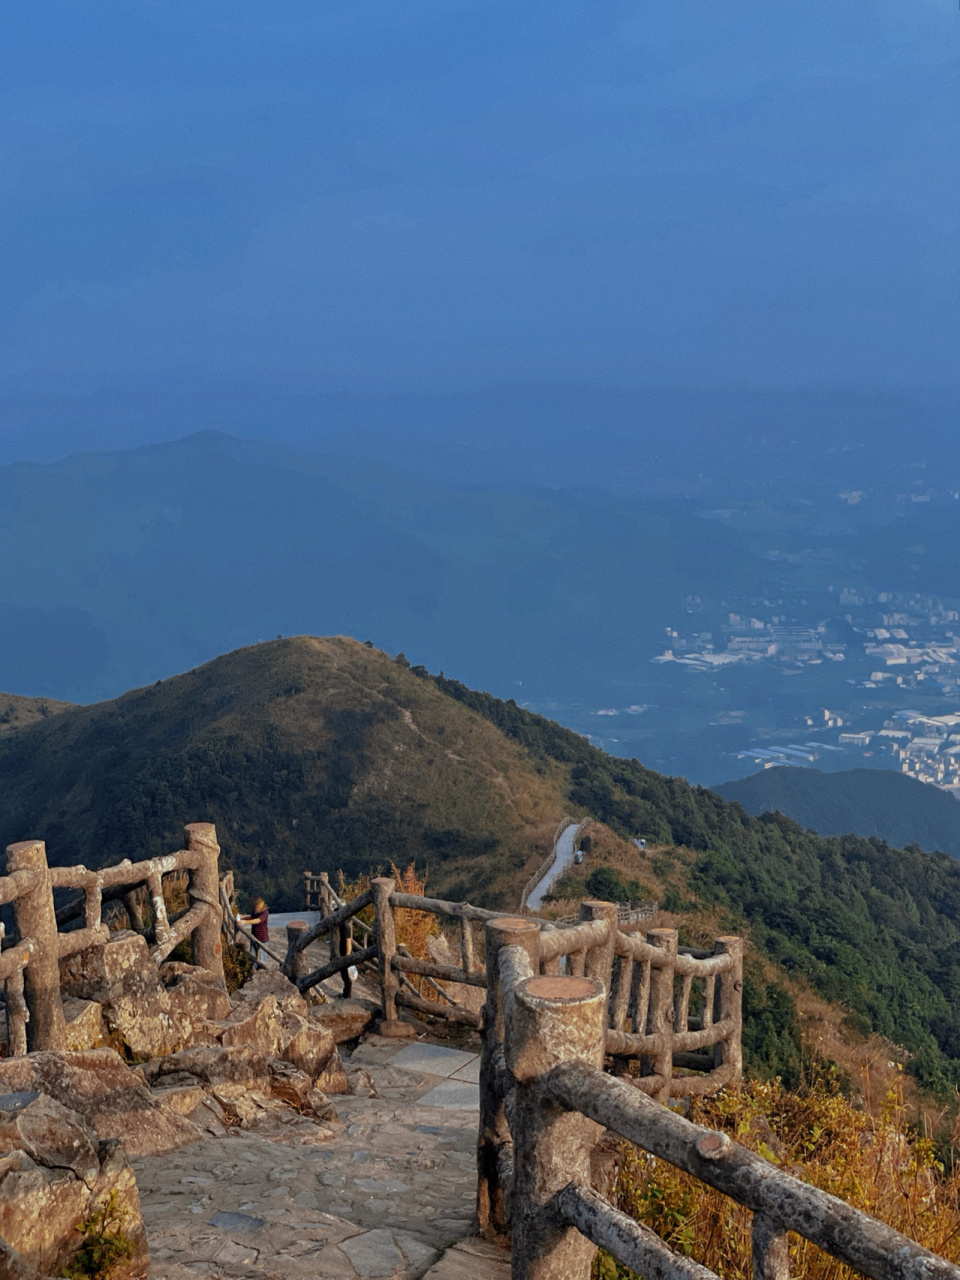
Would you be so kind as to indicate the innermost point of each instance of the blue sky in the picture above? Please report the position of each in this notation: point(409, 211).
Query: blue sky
point(452, 193)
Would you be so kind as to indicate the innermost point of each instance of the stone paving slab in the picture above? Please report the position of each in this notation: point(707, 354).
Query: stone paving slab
point(472, 1260)
point(393, 1181)
point(469, 1072)
point(433, 1059)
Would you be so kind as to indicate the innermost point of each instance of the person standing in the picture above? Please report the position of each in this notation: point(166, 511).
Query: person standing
point(260, 928)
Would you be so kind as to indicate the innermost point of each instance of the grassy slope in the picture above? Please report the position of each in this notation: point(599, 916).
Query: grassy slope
point(306, 753)
point(868, 802)
point(17, 712)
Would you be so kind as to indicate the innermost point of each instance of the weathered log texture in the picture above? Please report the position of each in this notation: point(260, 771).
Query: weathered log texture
point(494, 1131)
point(457, 910)
point(565, 942)
point(636, 1246)
point(35, 919)
point(336, 918)
point(336, 965)
point(382, 888)
point(441, 972)
point(847, 1233)
point(449, 1013)
point(661, 1010)
point(550, 1021)
point(202, 888)
point(295, 964)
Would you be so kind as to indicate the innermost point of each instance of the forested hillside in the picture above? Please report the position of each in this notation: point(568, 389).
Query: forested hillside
point(866, 802)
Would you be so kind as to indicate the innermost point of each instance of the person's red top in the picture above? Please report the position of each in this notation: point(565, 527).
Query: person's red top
point(260, 930)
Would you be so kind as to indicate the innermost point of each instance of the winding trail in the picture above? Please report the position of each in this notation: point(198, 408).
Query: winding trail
point(563, 852)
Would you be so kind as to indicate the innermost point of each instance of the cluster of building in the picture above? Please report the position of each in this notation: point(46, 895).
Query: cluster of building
point(748, 639)
point(926, 747)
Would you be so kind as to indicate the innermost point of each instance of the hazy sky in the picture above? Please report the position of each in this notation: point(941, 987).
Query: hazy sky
point(443, 193)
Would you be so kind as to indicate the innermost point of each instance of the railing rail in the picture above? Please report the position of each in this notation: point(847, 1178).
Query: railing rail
point(553, 1049)
point(30, 968)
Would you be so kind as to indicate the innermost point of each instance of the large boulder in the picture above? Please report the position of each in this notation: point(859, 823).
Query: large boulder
point(113, 1100)
point(196, 996)
point(54, 1175)
point(123, 979)
point(269, 982)
point(85, 1029)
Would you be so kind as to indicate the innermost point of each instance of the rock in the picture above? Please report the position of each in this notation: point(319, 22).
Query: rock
point(361, 1083)
point(308, 1046)
point(333, 1078)
point(212, 1065)
point(387, 1253)
point(123, 979)
point(297, 1090)
point(113, 1100)
point(52, 1136)
point(196, 995)
point(85, 1029)
point(345, 1019)
point(270, 982)
point(259, 1027)
point(183, 1098)
point(57, 1175)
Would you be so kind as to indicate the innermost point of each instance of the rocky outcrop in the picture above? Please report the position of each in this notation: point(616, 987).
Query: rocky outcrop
point(85, 1029)
point(112, 1099)
point(196, 995)
point(345, 1019)
point(55, 1173)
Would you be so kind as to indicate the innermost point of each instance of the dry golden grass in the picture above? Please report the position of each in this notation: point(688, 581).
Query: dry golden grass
point(867, 1157)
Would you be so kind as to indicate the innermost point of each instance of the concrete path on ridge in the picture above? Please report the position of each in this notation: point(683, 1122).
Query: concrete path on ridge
point(563, 852)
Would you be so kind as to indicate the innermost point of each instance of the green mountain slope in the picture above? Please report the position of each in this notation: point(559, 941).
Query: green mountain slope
point(306, 753)
point(868, 802)
point(324, 753)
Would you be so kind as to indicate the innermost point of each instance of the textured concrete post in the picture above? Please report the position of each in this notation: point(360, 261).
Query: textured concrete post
point(551, 1020)
point(326, 908)
point(295, 964)
point(661, 1012)
point(204, 886)
point(494, 1132)
point(346, 949)
point(599, 962)
point(35, 918)
point(771, 1253)
point(730, 1051)
point(387, 944)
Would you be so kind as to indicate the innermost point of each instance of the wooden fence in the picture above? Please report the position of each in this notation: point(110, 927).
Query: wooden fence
point(30, 964)
point(554, 1041)
point(560, 1005)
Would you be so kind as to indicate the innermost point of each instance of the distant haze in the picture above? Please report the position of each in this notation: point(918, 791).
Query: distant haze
point(385, 197)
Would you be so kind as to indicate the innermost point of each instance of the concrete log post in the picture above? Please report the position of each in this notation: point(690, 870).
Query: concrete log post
point(467, 958)
point(131, 901)
point(387, 944)
point(326, 908)
point(204, 887)
point(660, 1013)
point(550, 1021)
point(729, 1052)
point(18, 1015)
point(494, 1132)
point(35, 918)
point(599, 961)
point(295, 964)
point(771, 1255)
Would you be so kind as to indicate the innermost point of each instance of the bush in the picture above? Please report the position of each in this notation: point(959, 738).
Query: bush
point(871, 1162)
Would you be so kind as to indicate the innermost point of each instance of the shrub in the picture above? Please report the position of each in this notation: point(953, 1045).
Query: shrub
point(104, 1246)
point(871, 1161)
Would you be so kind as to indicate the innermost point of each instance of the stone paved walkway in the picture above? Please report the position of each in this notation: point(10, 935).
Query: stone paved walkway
point(382, 1192)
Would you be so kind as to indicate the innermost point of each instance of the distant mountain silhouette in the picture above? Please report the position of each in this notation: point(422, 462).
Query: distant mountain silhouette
point(866, 802)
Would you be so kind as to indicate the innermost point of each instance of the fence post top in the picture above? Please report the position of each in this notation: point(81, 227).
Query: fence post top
point(513, 924)
point(666, 938)
point(201, 833)
point(384, 880)
point(558, 989)
point(594, 909)
point(26, 853)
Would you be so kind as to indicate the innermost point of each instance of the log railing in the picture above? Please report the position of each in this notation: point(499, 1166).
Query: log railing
point(554, 1039)
point(30, 968)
